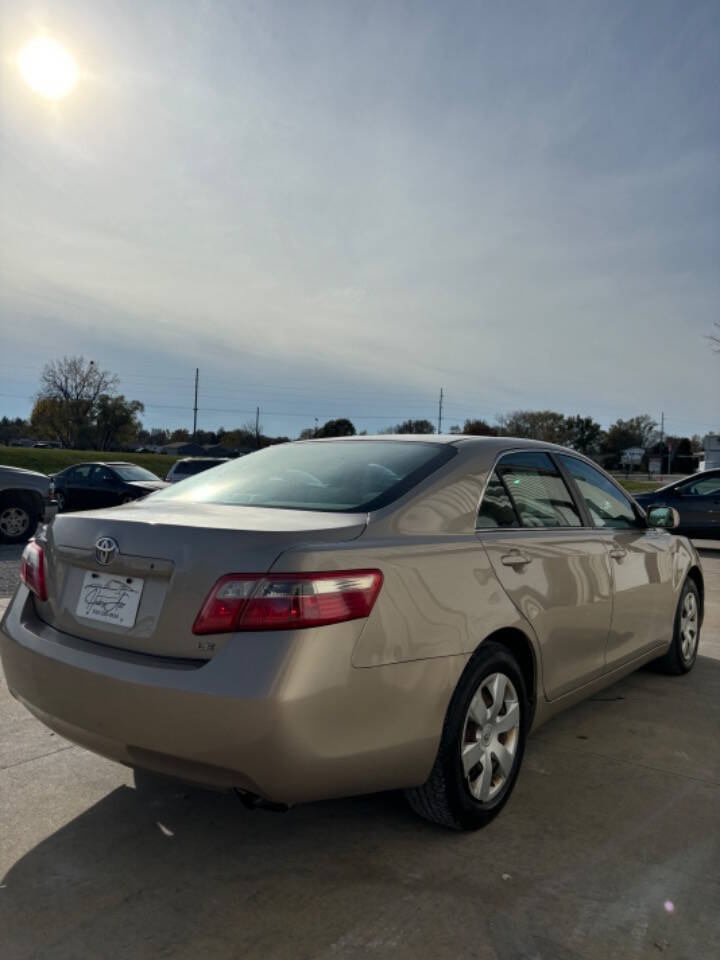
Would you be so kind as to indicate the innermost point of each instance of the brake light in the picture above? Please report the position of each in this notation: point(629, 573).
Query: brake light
point(32, 569)
point(288, 601)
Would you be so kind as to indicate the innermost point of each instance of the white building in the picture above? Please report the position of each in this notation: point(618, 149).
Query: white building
point(711, 445)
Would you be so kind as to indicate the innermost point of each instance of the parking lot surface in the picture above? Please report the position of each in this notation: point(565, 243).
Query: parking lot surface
point(609, 848)
point(9, 568)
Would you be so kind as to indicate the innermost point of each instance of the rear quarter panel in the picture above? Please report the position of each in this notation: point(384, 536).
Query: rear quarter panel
point(440, 596)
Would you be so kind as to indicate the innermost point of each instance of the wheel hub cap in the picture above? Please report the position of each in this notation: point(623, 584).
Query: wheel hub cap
point(14, 521)
point(490, 736)
point(689, 626)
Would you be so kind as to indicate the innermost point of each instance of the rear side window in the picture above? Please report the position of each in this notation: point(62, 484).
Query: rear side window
point(537, 491)
point(334, 475)
point(496, 509)
point(79, 474)
point(607, 505)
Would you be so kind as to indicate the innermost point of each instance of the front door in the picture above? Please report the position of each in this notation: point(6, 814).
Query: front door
point(104, 489)
point(554, 569)
point(698, 503)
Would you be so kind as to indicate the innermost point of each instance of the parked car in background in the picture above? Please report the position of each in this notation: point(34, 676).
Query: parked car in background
point(697, 501)
point(25, 500)
point(334, 617)
point(189, 466)
point(87, 486)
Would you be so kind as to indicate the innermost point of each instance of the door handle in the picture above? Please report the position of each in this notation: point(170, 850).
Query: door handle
point(515, 559)
point(617, 553)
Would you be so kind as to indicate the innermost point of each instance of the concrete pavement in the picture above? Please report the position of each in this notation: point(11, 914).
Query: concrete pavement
point(609, 848)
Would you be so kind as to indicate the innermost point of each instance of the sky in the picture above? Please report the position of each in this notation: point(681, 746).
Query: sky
point(337, 208)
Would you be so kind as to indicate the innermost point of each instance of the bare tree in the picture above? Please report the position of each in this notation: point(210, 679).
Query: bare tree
point(714, 338)
point(71, 388)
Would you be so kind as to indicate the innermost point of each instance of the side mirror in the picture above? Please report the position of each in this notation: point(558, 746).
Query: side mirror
point(667, 518)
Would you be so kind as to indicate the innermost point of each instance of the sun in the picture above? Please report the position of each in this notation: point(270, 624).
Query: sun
point(47, 68)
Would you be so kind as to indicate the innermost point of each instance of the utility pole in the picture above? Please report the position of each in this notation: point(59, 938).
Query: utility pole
point(440, 406)
point(257, 427)
point(197, 376)
point(662, 443)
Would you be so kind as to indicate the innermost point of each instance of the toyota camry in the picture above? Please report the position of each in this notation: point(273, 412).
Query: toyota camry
point(332, 617)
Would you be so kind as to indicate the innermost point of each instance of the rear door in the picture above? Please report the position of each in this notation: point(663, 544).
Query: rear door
point(78, 490)
point(641, 560)
point(553, 566)
point(105, 487)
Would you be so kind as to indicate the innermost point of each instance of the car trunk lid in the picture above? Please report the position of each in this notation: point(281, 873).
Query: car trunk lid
point(171, 554)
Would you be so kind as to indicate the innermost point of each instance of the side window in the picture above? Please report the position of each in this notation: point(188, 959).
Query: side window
point(102, 475)
point(80, 474)
point(607, 505)
point(538, 492)
point(496, 509)
point(704, 487)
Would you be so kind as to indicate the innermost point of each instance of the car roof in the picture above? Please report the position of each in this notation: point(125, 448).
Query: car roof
point(102, 463)
point(496, 443)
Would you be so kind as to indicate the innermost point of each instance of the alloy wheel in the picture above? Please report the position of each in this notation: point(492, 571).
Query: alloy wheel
point(689, 626)
point(14, 521)
point(491, 735)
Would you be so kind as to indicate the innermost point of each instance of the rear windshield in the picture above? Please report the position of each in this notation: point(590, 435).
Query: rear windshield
point(188, 468)
point(342, 476)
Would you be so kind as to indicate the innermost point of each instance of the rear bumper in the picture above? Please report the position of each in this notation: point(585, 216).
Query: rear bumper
point(283, 715)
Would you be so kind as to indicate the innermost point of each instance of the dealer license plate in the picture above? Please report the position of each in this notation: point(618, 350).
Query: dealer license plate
point(110, 598)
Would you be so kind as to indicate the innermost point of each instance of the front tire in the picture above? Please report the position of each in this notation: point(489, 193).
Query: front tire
point(481, 747)
point(18, 521)
point(683, 651)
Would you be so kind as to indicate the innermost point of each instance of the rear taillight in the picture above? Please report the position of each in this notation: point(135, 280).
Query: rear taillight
point(288, 601)
point(32, 569)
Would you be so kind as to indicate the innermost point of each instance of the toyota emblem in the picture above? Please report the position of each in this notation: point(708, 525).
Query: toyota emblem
point(106, 549)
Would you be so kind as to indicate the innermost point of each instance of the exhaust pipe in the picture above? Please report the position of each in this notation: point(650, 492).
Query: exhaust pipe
point(251, 801)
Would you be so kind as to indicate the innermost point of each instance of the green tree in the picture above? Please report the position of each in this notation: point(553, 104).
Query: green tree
point(117, 424)
point(583, 434)
point(635, 432)
point(414, 426)
point(479, 428)
point(546, 425)
point(337, 428)
point(12, 430)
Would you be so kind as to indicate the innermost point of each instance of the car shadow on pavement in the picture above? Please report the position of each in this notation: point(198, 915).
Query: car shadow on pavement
point(607, 848)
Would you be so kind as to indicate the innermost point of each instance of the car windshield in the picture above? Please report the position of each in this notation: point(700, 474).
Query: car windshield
point(129, 472)
point(335, 476)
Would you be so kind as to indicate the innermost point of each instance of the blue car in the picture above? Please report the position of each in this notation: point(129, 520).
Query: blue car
point(696, 499)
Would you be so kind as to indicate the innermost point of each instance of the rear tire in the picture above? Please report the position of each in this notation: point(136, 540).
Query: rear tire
point(682, 654)
point(481, 747)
